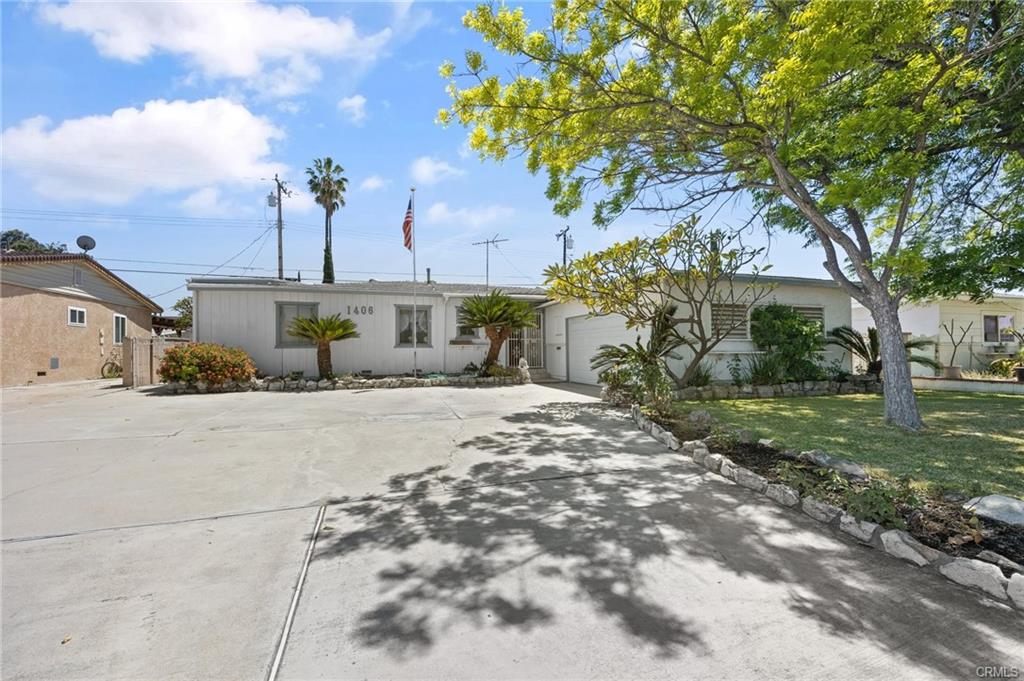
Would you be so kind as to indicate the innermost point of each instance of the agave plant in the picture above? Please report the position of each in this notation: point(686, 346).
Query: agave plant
point(869, 351)
point(323, 331)
point(498, 315)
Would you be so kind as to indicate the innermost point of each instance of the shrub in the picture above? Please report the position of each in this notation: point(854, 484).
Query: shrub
point(736, 370)
point(209, 362)
point(1004, 366)
point(880, 502)
point(499, 371)
point(701, 376)
point(795, 340)
point(764, 369)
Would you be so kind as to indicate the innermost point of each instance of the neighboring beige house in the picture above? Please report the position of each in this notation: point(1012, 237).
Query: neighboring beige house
point(986, 324)
point(63, 316)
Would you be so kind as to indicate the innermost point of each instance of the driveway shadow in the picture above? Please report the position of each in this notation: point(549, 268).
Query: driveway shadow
point(614, 536)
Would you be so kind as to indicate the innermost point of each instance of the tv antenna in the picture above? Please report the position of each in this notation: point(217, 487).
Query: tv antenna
point(486, 243)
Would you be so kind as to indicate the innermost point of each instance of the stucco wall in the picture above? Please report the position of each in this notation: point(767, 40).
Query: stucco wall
point(834, 302)
point(246, 318)
point(34, 328)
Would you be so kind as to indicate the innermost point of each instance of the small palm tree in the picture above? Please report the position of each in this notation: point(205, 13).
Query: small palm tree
point(328, 186)
point(323, 331)
point(869, 350)
point(498, 315)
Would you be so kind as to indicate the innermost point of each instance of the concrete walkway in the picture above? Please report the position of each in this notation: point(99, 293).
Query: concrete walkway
point(520, 532)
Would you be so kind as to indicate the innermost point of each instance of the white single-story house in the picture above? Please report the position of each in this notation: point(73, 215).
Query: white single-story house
point(572, 337)
point(985, 323)
point(254, 314)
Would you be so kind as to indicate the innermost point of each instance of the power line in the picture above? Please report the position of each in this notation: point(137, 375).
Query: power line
point(247, 247)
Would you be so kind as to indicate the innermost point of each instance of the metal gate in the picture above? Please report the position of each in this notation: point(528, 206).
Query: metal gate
point(528, 343)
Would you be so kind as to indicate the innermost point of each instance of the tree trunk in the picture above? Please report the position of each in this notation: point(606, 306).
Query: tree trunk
point(323, 359)
point(497, 339)
point(328, 256)
point(900, 402)
point(691, 368)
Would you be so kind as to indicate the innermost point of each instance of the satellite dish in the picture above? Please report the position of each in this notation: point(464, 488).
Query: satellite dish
point(86, 243)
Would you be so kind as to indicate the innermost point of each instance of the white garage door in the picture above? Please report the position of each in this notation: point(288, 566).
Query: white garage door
point(585, 335)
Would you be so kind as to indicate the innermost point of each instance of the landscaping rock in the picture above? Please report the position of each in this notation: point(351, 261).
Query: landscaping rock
point(713, 462)
point(861, 530)
point(656, 431)
point(700, 416)
point(782, 494)
point(1015, 590)
point(699, 455)
point(1000, 560)
point(728, 468)
point(275, 386)
point(751, 480)
point(323, 384)
point(845, 467)
point(690, 445)
point(901, 545)
point(998, 507)
point(764, 391)
point(766, 442)
point(669, 440)
point(819, 510)
point(976, 573)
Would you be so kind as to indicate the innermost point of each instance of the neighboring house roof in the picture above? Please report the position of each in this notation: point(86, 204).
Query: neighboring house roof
point(371, 286)
point(7, 259)
point(795, 281)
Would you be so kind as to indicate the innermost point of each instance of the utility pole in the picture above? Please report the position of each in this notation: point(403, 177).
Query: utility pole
point(487, 257)
point(566, 244)
point(276, 201)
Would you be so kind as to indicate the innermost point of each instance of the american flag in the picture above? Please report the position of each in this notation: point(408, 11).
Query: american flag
point(407, 226)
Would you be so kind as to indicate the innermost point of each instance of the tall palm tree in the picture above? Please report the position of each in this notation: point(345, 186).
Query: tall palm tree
point(323, 331)
point(328, 186)
point(498, 315)
point(868, 350)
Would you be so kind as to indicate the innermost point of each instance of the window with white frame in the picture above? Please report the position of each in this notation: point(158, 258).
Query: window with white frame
point(732, 317)
point(403, 325)
point(120, 328)
point(997, 328)
point(286, 313)
point(465, 332)
point(76, 316)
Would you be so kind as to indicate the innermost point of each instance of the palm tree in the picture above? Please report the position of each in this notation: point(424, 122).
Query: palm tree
point(328, 186)
point(498, 315)
point(868, 349)
point(323, 331)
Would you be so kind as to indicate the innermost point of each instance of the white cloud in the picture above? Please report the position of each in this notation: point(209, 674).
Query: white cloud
point(206, 202)
point(354, 107)
point(271, 49)
point(373, 183)
point(476, 217)
point(164, 147)
point(426, 170)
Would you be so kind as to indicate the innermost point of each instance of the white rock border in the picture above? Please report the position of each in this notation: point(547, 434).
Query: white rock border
point(295, 385)
point(977, 575)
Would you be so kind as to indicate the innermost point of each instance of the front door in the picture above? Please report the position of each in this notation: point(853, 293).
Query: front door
point(528, 343)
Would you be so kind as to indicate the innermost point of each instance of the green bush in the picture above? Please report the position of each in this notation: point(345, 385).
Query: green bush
point(795, 340)
point(701, 376)
point(1004, 366)
point(499, 371)
point(765, 369)
point(209, 362)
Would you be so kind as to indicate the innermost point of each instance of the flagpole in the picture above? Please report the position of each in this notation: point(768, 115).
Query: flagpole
point(415, 316)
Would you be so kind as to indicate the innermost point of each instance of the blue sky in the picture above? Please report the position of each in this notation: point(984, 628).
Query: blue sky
point(152, 127)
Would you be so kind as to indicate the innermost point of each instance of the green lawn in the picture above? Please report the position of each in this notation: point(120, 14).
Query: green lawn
point(973, 442)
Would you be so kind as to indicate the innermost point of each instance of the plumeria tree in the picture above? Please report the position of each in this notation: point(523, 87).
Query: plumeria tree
point(866, 126)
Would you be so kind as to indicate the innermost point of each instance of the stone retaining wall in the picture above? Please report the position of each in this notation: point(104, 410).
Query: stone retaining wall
point(282, 384)
point(976, 574)
point(856, 384)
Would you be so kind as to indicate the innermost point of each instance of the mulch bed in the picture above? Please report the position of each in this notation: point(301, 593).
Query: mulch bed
point(939, 523)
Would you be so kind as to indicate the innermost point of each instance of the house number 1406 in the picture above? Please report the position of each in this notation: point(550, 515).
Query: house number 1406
point(360, 309)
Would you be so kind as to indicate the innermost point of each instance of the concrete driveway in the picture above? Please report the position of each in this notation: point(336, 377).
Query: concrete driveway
point(520, 532)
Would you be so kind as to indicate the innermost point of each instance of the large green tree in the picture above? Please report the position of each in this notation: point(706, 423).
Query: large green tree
point(22, 242)
point(328, 184)
point(853, 123)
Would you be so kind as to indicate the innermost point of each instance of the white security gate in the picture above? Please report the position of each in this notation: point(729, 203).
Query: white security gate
point(584, 335)
point(528, 343)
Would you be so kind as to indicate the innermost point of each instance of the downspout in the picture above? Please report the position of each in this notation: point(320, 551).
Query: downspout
point(444, 333)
